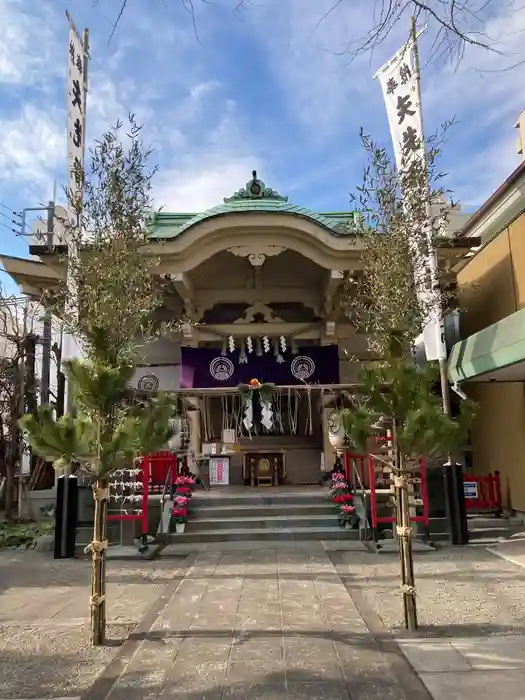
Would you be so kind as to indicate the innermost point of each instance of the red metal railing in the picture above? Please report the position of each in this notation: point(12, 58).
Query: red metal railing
point(368, 478)
point(482, 493)
point(376, 519)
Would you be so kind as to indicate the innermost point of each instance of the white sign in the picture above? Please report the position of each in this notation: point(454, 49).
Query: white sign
point(400, 85)
point(219, 471)
point(470, 489)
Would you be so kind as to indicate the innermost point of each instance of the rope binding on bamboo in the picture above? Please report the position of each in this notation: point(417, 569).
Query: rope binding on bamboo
point(96, 546)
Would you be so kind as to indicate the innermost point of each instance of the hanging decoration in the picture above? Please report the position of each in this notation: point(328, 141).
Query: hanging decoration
point(309, 430)
point(126, 490)
point(293, 411)
point(276, 351)
point(257, 404)
point(261, 346)
point(243, 360)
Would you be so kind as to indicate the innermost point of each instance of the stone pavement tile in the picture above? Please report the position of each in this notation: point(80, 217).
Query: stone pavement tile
point(478, 685)
point(189, 675)
point(362, 663)
point(259, 648)
point(303, 623)
point(492, 653)
point(251, 691)
point(316, 657)
point(204, 649)
point(172, 691)
point(256, 672)
point(439, 655)
point(376, 690)
point(159, 653)
point(211, 622)
point(317, 691)
point(261, 623)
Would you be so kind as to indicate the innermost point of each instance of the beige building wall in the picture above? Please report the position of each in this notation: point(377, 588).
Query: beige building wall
point(492, 286)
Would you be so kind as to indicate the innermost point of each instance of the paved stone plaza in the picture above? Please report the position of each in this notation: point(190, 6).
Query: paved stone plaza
point(267, 624)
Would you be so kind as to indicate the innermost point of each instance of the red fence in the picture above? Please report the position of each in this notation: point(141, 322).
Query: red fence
point(362, 472)
point(482, 493)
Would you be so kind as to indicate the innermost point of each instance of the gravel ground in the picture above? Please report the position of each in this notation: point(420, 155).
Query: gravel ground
point(44, 620)
point(461, 592)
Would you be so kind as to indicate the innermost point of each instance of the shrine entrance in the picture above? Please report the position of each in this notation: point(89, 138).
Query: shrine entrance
point(269, 436)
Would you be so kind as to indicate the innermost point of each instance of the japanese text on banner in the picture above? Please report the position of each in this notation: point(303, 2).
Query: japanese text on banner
point(76, 112)
point(400, 85)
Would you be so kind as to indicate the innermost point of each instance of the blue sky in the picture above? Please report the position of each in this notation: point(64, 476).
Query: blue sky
point(260, 89)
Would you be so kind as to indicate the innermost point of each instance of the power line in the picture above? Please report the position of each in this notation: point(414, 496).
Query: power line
point(13, 221)
point(9, 228)
point(15, 213)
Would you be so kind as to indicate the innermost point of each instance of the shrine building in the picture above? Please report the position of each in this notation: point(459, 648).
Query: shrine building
point(261, 280)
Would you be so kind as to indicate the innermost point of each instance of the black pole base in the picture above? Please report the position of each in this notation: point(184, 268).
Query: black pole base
point(455, 503)
point(66, 516)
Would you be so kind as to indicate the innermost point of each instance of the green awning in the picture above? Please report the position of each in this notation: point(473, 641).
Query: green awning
point(490, 351)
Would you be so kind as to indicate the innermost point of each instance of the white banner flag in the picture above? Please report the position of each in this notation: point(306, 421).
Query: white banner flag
point(400, 85)
point(76, 111)
point(76, 123)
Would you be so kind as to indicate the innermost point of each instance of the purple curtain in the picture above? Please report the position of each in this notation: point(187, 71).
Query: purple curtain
point(204, 368)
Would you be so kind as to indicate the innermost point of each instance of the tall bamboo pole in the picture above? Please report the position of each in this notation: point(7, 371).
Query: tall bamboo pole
point(404, 532)
point(458, 533)
point(98, 549)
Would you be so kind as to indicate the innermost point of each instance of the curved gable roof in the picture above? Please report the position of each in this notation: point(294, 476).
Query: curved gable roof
point(254, 197)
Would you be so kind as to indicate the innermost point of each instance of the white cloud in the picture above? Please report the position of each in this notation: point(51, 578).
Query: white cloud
point(32, 147)
point(28, 51)
point(196, 184)
point(201, 176)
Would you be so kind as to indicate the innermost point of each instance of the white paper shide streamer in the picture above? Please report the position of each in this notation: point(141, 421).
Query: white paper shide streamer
point(400, 85)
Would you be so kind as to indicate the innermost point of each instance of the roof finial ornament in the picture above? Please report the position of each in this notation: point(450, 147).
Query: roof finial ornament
point(255, 189)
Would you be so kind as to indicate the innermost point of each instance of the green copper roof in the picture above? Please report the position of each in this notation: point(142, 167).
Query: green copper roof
point(494, 348)
point(254, 197)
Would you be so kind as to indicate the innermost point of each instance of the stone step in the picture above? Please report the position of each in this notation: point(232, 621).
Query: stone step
point(201, 510)
point(262, 497)
point(255, 522)
point(260, 535)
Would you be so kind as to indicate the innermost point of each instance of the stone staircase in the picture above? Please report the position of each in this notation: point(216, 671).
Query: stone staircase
point(260, 515)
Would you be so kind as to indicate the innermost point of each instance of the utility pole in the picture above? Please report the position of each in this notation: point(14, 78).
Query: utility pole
point(47, 326)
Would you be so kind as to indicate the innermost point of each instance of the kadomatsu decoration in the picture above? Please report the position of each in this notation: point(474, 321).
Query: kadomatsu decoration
point(257, 404)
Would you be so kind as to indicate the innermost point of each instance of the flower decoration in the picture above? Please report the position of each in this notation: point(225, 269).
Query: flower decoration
point(255, 383)
point(180, 515)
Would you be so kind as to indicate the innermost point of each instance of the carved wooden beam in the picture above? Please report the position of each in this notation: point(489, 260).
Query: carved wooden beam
point(206, 299)
point(335, 279)
point(256, 254)
point(184, 289)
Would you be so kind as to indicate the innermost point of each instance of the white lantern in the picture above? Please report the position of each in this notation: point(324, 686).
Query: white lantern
point(336, 433)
